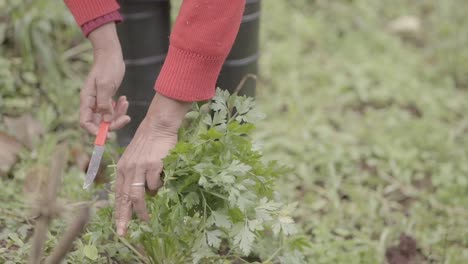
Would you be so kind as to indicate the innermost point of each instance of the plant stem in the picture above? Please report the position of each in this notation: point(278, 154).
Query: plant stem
point(215, 194)
point(142, 258)
point(269, 259)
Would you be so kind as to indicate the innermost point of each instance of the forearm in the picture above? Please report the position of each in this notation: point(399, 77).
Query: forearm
point(112, 17)
point(105, 40)
point(202, 37)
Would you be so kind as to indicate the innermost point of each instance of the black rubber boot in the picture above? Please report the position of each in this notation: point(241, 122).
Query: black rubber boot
point(144, 37)
point(243, 58)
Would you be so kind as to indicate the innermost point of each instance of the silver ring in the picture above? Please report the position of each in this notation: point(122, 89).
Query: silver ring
point(138, 184)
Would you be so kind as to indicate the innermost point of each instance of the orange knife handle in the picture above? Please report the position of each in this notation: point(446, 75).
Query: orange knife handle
point(102, 134)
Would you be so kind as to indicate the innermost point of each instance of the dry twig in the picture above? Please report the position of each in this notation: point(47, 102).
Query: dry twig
point(48, 209)
point(74, 230)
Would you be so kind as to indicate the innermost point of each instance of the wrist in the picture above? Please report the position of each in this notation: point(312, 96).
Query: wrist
point(105, 40)
point(166, 114)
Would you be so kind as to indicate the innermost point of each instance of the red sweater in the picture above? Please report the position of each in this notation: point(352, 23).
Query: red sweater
point(201, 39)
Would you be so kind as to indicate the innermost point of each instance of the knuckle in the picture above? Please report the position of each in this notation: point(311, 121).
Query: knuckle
point(121, 166)
point(82, 124)
point(154, 165)
point(84, 91)
point(122, 199)
point(126, 168)
point(106, 85)
point(103, 82)
point(120, 170)
point(103, 105)
point(134, 198)
point(159, 165)
point(130, 166)
point(147, 164)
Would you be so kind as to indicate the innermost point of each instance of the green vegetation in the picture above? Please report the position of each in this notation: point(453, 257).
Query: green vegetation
point(375, 126)
point(371, 120)
point(218, 203)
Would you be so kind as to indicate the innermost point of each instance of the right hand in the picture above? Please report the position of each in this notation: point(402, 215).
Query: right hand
point(142, 161)
point(102, 82)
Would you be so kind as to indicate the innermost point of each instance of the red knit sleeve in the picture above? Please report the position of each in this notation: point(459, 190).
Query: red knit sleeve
point(201, 39)
point(88, 10)
point(89, 26)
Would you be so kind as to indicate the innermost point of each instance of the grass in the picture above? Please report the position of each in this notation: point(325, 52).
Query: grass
point(373, 124)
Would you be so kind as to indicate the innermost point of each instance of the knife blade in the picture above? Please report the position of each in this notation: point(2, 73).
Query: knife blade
point(99, 147)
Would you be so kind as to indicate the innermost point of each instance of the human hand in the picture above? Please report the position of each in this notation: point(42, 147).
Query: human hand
point(141, 164)
point(102, 82)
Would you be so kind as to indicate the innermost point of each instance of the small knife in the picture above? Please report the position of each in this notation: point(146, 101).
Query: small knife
point(99, 144)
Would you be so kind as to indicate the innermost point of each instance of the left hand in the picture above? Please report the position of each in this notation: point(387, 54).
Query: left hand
point(102, 82)
point(141, 164)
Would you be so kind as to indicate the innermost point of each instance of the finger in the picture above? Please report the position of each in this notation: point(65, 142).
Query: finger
point(153, 177)
point(105, 91)
point(97, 122)
point(137, 195)
point(87, 102)
point(125, 214)
point(120, 118)
point(123, 205)
point(90, 127)
point(119, 181)
point(121, 107)
point(120, 122)
point(97, 119)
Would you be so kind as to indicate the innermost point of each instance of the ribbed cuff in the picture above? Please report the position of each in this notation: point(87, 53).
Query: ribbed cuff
point(188, 76)
point(87, 10)
point(88, 27)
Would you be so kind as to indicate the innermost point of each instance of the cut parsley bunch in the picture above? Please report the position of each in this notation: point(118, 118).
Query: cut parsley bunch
point(217, 200)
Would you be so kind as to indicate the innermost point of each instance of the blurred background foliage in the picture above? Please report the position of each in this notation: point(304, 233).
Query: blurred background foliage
point(366, 101)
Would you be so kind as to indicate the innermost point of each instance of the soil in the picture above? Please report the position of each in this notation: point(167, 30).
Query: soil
point(406, 252)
